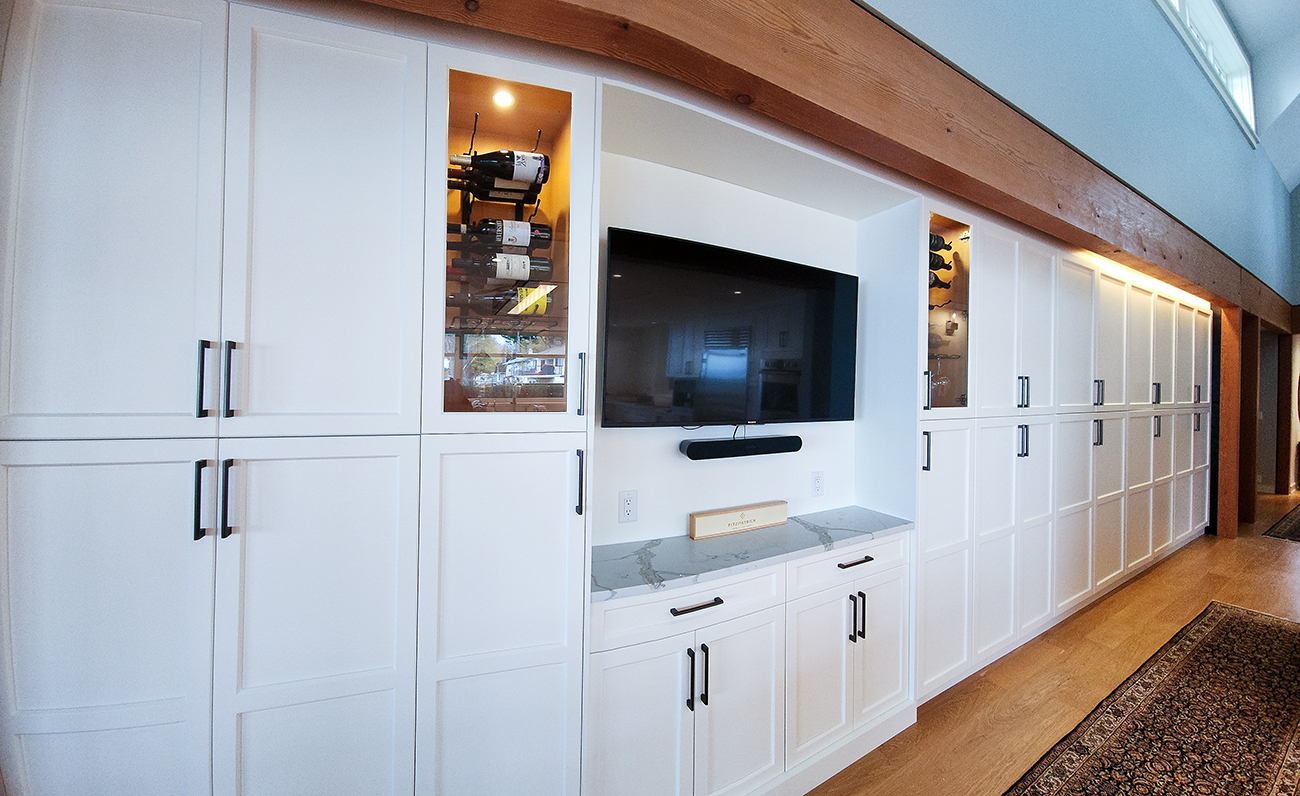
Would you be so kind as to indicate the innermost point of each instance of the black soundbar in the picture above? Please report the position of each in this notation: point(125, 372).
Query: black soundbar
point(726, 448)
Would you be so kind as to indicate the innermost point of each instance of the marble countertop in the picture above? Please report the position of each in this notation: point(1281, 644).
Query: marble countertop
point(630, 568)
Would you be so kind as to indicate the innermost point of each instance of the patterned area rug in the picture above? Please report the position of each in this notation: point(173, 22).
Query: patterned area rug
point(1215, 711)
point(1288, 527)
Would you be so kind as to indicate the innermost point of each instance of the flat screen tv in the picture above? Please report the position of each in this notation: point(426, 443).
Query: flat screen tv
point(698, 335)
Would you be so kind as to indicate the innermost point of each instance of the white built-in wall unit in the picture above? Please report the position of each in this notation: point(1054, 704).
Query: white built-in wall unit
point(286, 510)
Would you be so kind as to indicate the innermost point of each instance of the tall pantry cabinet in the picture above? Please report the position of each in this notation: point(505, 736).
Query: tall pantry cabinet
point(216, 264)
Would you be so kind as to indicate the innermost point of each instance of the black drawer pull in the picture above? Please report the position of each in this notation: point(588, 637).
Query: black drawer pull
point(863, 560)
point(690, 664)
point(226, 529)
point(862, 603)
point(853, 606)
point(694, 608)
point(704, 693)
point(199, 409)
point(199, 533)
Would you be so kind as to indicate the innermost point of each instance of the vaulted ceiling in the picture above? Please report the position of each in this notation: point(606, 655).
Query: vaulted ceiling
point(1269, 30)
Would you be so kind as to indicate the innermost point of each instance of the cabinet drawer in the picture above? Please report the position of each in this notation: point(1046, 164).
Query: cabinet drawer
point(632, 620)
point(810, 575)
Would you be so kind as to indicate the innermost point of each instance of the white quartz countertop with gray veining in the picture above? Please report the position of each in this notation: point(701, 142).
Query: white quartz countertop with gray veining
point(630, 568)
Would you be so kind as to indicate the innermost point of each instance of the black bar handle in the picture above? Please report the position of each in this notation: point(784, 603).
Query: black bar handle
point(226, 411)
point(1026, 433)
point(693, 608)
point(578, 508)
point(582, 385)
point(929, 390)
point(1027, 394)
point(1155, 392)
point(226, 464)
point(1157, 425)
point(198, 499)
point(704, 692)
point(1197, 389)
point(1103, 392)
point(853, 634)
point(1022, 443)
point(863, 560)
point(1098, 431)
point(1197, 422)
point(926, 466)
point(1096, 392)
point(862, 603)
point(690, 664)
point(199, 409)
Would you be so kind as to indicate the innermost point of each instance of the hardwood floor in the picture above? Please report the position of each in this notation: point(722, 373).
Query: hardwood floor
point(979, 736)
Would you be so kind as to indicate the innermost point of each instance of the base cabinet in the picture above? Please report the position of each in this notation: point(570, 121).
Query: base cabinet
point(696, 713)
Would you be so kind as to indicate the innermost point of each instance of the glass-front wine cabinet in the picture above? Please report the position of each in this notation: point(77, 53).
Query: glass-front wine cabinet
point(505, 347)
point(948, 347)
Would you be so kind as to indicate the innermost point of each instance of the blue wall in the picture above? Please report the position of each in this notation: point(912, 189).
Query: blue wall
point(1113, 79)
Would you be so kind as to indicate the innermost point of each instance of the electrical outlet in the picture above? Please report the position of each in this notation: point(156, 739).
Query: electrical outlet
point(818, 483)
point(627, 506)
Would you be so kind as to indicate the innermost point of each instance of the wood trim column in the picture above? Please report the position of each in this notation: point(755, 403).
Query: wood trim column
point(1249, 443)
point(1228, 425)
point(1285, 417)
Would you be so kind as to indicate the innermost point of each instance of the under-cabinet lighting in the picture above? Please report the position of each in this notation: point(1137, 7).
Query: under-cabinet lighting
point(503, 98)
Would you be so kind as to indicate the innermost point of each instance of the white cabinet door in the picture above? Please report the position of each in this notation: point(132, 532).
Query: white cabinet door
point(324, 238)
point(1108, 455)
point(1137, 527)
point(740, 711)
point(997, 385)
point(1200, 499)
point(1201, 349)
point(106, 617)
point(501, 607)
point(641, 708)
point(1137, 349)
point(1164, 428)
point(1184, 434)
point(1033, 577)
point(994, 621)
point(567, 325)
point(1201, 439)
point(1162, 516)
point(882, 671)
point(1111, 341)
point(820, 654)
point(1076, 439)
point(1162, 351)
point(1108, 541)
point(998, 445)
point(1072, 558)
point(1185, 355)
point(1182, 507)
point(110, 270)
point(944, 549)
point(1139, 438)
point(1076, 285)
point(314, 674)
point(1034, 324)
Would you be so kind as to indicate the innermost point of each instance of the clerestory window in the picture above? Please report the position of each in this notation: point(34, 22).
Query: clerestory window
point(1207, 33)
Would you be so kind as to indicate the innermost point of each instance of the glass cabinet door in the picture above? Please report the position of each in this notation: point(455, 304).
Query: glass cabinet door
point(506, 318)
point(948, 346)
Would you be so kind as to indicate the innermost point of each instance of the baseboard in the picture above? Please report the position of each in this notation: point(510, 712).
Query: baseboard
point(825, 764)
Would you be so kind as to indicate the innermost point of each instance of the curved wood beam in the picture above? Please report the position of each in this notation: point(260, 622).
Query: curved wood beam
point(831, 69)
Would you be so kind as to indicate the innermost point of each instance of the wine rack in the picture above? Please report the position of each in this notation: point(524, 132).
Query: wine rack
point(506, 304)
point(948, 347)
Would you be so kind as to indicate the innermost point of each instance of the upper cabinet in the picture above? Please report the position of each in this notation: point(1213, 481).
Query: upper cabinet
point(947, 366)
point(323, 257)
point(1013, 344)
point(110, 266)
point(509, 256)
point(1076, 324)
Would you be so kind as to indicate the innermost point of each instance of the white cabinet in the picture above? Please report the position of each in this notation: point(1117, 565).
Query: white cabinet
point(106, 620)
point(296, 674)
point(501, 605)
point(1014, 301)
point(1108, 541)
point(110, 251)
point(943, 526)
point(1012, 520)
point(847, 660)
point(1076, 287)
point(314, 681)
point(1162, 350)
point(1111, 341)
point(1184, 355)
point(322, 284)
point(1137, 350)
point(709, 703)
point(1201, 355)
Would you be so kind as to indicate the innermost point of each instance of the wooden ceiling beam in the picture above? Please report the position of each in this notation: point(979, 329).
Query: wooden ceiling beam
point(831, 69)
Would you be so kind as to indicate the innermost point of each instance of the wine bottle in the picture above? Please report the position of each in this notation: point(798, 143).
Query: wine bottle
point(499, 232)
point(488, 194)
point(519, 267)
point(938, 244)
point(509, 164)
point(935, 281)
point(527, 301)
point(489, 182)
point(937, 263)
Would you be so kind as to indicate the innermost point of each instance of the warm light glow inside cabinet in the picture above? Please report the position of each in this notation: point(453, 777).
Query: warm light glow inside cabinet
point(949, 290)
